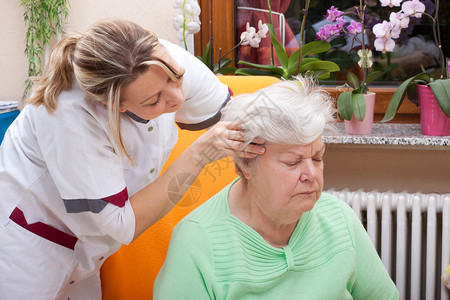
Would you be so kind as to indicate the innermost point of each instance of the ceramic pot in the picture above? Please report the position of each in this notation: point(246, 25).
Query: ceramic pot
point(354, 126)
point(433, 121)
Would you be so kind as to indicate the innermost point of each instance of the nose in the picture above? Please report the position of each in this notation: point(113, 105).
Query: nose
point(174, 96)
point(308, 170)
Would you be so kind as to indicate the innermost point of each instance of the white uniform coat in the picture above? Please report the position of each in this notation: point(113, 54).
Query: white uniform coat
point(64, 188)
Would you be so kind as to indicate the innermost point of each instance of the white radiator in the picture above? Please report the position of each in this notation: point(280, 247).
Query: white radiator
point(411, 233)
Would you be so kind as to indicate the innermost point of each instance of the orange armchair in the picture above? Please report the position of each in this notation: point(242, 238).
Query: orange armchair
point(130, 272)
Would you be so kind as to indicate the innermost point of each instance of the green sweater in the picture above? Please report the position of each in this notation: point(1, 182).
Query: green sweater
point(213, 255)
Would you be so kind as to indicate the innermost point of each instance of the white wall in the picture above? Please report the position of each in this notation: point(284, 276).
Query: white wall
point(155, 15)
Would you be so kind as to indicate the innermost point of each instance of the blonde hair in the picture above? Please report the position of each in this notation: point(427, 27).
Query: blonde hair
point(106, 58)
point(292, 112)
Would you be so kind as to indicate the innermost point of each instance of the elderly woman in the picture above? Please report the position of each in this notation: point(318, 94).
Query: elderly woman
point(272, 233)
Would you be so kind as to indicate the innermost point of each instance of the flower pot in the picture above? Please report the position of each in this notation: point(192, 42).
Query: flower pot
point(433, 121)
point(354, 126)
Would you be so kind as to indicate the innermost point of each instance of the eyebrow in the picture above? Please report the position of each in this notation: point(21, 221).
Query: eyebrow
point(322, 149)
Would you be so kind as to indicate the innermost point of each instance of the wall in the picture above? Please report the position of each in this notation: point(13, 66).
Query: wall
point(387, 168)
point(155, 15)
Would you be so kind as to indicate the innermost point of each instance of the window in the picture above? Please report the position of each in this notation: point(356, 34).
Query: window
point(414, 48)
point(228, 22)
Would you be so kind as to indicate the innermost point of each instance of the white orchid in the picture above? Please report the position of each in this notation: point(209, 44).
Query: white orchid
point(187, 21)
point(251, 37)
point(263, 29)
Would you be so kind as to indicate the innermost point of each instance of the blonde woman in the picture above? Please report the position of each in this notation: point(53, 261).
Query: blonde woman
point(79, 167)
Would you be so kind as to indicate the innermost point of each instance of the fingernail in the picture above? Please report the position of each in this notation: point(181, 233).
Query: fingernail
point(261, 150)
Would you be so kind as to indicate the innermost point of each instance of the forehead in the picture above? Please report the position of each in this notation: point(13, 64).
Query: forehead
point(280, 149)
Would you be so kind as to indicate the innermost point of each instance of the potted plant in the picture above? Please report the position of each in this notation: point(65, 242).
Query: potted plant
point(433, 93)
point(355, 106)
point(44, 20)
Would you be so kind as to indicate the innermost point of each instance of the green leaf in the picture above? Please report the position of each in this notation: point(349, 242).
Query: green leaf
point(399, 95)
point(207, 55)
point(223, 63)
point(441, 90)
point(344, 105)
point(319, 65)
point(227, 70)
point(353, 80)
point(273, 69)
point(279, 49)
point(373, 75)
point(315, 47)
point(248, 71)
point(358, 105)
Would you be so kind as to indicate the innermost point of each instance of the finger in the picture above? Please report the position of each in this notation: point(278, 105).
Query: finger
point(233, 125)
point(235, 135)
point(255, 149)
point(258, 141)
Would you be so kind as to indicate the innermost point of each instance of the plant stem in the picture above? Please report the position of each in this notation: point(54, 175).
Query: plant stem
point(221, 57)
point(363, 44)
point(437, 37)
point(271, 22)
point(184, 24)
point(302, 30)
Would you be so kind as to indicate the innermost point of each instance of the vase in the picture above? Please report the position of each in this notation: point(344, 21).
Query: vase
point(433, 121)
point(355, 126)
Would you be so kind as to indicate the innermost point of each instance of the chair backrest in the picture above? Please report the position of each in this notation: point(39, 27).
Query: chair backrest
point(131, 271)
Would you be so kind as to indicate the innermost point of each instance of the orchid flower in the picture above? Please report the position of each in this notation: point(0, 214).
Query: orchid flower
point(251, 37)
point(187, 21)
point(387, 31)
point(354, 28)
point(413, 8)
point(390, 3)
point(263, 29)
point(333, 13)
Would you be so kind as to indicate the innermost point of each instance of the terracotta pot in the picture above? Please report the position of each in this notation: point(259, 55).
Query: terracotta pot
point(433, 121)
point(354, 126)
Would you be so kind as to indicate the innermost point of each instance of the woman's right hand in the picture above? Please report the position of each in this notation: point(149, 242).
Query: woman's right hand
point(225, 139)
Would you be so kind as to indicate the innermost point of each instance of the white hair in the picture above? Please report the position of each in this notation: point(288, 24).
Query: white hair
point(288, 112)
point(293, 112)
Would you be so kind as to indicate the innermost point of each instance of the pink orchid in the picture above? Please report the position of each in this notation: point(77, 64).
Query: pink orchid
point(399, 19)
point(384, 44)
point(413, 8)
point(333, 13)
point(382, 29)
point(354, 28)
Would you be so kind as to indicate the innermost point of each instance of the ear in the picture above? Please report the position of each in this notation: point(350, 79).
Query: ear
point(246, 168)
point(121, 108)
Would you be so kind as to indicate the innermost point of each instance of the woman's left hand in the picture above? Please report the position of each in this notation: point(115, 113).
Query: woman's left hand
point(225, 139)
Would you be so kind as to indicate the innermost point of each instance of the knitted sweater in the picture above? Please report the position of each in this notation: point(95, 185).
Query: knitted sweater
point(213, 255)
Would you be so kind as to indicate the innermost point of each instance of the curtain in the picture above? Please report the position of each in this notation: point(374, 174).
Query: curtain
point(261, 55)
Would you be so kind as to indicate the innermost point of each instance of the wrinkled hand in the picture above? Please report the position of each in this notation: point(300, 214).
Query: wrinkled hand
point(225, 139)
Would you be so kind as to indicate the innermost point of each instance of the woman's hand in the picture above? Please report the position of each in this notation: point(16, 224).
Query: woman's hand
point(225, 139)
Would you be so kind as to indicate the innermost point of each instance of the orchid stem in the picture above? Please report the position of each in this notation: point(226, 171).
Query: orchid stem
point(302, 30)
point(271, 22)
point(221, 57)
